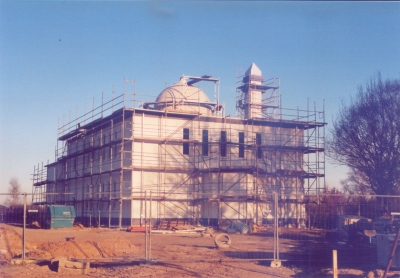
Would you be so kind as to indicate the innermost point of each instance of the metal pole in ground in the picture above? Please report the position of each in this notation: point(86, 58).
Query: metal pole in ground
point(276, 262)
point(145, 223)
point(99, 220)
point(275, 224)
point(23, 229)
point(277, 227)
point(150, 228)
point(109, 214)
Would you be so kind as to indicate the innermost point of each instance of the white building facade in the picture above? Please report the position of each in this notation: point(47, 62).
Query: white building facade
point(193, 162)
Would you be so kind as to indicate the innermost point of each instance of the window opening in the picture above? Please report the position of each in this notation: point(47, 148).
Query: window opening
point(185, 144)
point(223, 143)
point(241, 144)
point(258, 143)
point(205, 143)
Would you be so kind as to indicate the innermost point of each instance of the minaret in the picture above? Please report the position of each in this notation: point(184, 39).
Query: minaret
point(252, 89)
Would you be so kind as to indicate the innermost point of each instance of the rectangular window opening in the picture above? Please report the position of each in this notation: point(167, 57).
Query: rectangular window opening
point(241, 144)
point(185, 144)
point(258, 142)
point(205, 143)
point(223, 143)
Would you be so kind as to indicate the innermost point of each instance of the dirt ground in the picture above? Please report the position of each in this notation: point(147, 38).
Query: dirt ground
point(114, 253)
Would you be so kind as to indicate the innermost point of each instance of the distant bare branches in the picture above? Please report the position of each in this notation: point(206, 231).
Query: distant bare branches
point(14, 189)
point(356, 183)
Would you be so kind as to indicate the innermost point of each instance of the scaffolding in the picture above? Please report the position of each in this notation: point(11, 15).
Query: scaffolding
point(103, 159)
point(268, 104)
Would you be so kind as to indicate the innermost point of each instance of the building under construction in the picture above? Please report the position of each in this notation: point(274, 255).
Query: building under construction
point(194, 162)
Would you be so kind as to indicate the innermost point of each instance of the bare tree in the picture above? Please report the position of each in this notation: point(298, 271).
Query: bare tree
point(14, 189)
point(366, 137)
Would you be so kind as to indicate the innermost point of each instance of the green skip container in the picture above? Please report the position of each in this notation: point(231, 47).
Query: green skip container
point(58, 216)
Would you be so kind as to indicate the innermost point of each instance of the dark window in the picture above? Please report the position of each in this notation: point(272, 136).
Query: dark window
point(205, 143)
point(115, 150)
point(223, 143)
point(258, 142)
point(185, 144)
point(241, 144)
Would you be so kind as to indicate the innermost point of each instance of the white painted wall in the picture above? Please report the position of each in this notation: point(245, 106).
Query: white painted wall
point(147, 158)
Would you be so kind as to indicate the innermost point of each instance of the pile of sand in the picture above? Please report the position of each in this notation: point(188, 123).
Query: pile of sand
point(116, 247)
point(113, 247)
point(11, 247)
point(11, 243)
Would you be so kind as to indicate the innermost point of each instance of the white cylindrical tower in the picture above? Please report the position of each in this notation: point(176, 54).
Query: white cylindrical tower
point(253, 94)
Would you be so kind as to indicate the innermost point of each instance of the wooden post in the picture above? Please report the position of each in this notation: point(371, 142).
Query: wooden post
point(335, 270)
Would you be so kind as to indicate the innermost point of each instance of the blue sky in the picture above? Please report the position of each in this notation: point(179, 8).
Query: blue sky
point(56, 56)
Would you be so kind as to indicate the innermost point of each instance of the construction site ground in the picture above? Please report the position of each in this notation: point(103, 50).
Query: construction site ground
point(116, 253)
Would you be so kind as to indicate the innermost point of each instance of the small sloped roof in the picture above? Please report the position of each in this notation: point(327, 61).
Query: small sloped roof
point(253, 70)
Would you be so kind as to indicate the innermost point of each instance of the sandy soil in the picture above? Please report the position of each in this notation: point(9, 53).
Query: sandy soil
point(114, 253)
